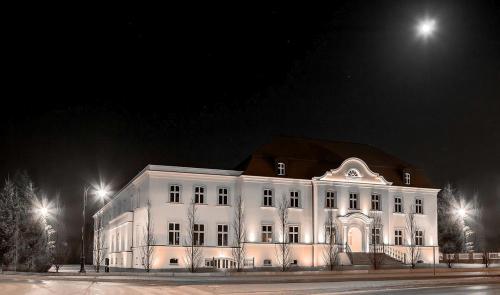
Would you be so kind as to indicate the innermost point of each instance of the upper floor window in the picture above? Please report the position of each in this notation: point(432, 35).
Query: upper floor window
point(280, 168)
point(199, 195)
point(268, 197)
point(267, 233)
point(407, 178)
point(199, 234)
point(330, 201)
point(175, 193)
point(419, 206)
point(223, 196)
point(398, 237)
point(294, 199)
point(353, 201)
point(376, 202)
point(293, 234)
point(398, 205)
point(222, 234)
point(353, 173)
point(174, 232)
point(419, 238)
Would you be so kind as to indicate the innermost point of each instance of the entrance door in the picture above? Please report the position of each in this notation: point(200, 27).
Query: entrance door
point(355, 239)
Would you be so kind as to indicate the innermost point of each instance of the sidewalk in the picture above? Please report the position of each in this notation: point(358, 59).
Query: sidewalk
point(175, 278)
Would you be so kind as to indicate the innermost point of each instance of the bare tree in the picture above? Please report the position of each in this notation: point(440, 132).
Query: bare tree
point(60, 251)
point(239, 250)
point(331, 250)
point(193, 243)
point(149, 240)
point(283, 252)
point(377, 246)
point(413, 250)
point(99, 250)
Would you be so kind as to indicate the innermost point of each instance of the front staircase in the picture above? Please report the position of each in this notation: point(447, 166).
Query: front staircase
point(362, 258)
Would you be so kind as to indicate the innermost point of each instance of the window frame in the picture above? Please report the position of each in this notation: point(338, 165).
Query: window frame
point(269, 234)
point(419, 205)
point(407, 178)
point(295, 198)
point(199, 194)
point(396, 204)
point(280, 168)
point(219, 188)
point(376, 234)
point(419, 237)
point(331, 198)
point(170, 192)
point(355, 200)
point(399, 237)
point(268, 197)
point(377, 202)
point(294, 234)
point(222, 236)
point(176, 234)
point(199, 234)
point(328, 234)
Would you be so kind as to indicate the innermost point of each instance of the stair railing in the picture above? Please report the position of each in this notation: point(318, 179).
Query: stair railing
point(349, 252)
point(394, 253)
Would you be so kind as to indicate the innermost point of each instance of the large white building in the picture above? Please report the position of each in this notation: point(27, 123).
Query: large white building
point(355, 182)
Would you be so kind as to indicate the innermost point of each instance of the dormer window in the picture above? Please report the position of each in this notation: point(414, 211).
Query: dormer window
point(280, 168)
point(407, 178)
point(353, 173)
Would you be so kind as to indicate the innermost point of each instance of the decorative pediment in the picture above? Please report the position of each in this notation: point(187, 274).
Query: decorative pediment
point(354, 170)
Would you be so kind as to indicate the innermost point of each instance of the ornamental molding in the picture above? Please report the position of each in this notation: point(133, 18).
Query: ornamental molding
point(349, 217)
point(354, 170)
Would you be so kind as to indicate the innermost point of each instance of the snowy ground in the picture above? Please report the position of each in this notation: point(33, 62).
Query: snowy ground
point(40, 286)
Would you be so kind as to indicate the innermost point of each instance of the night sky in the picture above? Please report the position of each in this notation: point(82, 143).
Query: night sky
point(91, 93)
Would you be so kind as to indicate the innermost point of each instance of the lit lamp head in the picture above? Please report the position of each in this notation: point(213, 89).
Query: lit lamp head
point(426, 28)
point(462, 212)
point(44, 211)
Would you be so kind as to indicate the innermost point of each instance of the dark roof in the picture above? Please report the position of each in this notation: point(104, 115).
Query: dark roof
point(308, 158)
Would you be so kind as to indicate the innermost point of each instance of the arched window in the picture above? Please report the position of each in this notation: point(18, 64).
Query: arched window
point(353, 173)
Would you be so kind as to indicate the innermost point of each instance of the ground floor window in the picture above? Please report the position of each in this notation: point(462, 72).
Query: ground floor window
point(267, 233)
point(375, 236)
point(222, 234)
point(419, 238)
point(293, 234)
point(398, 237)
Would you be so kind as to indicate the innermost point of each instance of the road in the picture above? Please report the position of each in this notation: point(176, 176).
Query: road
point(40, 286)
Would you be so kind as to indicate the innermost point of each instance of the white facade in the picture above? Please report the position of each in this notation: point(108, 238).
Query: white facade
point(352, 182)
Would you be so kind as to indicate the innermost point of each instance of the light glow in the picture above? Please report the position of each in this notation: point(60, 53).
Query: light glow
point(426, 27)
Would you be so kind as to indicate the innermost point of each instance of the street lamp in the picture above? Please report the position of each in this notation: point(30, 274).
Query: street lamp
point(101, 192)
point(426, 28)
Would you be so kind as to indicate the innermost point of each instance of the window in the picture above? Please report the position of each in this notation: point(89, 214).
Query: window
point(353, 201)
point(293, 234)
point(295, 262)
point(398, 205)
point(209, 262)
point(174, 232)
point(280, 167)
point(174, 261)
point(175, 193)
point(199, 195)
point(268, 197)
point(419, 238)
point(199, 234)
point(375, 236)
point(398, 237)
point(376, 202)
point(330, 233)
point(222, 199)
point(407, 178)
point(330, 200)
point(267, 233)
point(222, 235)
point(294, 199)
point(267, 262)
point(419, 206)
point(353, 173)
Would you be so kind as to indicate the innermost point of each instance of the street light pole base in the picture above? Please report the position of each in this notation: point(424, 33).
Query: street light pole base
point(82, 265)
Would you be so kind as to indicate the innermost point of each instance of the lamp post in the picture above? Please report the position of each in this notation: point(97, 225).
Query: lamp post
point(100, 192)
point(82, 256)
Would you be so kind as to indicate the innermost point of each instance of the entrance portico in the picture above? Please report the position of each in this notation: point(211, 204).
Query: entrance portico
point(356, 231)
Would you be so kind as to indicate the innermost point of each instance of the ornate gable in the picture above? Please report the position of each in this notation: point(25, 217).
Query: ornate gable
point(354, 170)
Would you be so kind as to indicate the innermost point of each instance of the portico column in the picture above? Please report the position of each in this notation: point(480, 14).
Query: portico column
point(344, 237)
point(367, 238)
